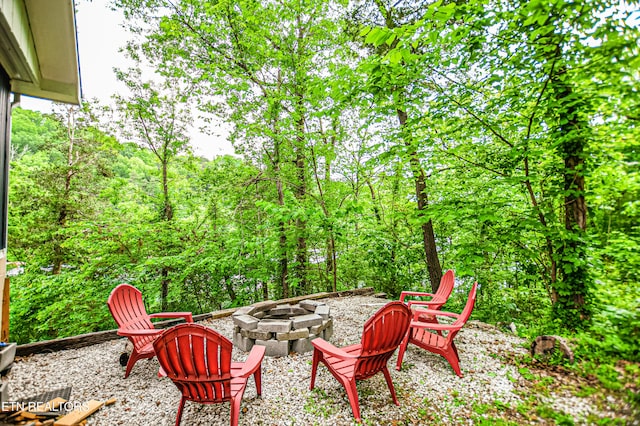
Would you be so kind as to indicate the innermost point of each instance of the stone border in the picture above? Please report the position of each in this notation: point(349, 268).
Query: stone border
point(282, 328)
point(89, 339)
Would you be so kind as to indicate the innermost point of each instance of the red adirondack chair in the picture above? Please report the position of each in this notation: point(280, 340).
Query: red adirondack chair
point(420, 333)
point(126, 306)
point(437, 300)
point(198, 361)
point(382, 334)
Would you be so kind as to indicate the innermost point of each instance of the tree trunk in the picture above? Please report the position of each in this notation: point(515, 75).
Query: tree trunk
point(284, 261)
point(167, 213)
point(301, 229)
point(167, 208)
point(332, 267)
point(332, 270)
point(265, 291)
point(428, 236)
point(301, 192)
point(58, 253)
point(331, 276)
point(374, 202)
point(571, 291)
point(300, 146)
point(164, 288)
point(228, 285)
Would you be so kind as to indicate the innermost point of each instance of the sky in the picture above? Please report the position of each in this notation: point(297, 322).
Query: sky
point(100, 36)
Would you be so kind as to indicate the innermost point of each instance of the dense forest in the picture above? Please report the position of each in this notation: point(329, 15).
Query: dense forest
point(377, 144)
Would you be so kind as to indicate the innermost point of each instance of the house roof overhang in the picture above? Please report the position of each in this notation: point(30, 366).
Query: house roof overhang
point(39, 49)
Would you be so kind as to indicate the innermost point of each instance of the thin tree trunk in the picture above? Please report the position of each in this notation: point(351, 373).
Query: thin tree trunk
point(300, 146)
point(282, 242)
point(330, 254)
point(167, 217)
point(284, 262)
point(168, 209)
point(374, 202)
point(301, 192)
point(164, 288)
point(228, 285)
point(332, 266)
point(58, 254)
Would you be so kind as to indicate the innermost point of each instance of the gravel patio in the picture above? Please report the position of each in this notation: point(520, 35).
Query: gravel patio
point(428, 390)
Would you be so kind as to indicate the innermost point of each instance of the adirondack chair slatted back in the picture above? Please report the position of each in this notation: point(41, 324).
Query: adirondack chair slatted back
point(198, 360)
point(466, 312)
point(444, 290)
point(440, 297)
point(381, 335)
point(129, 312)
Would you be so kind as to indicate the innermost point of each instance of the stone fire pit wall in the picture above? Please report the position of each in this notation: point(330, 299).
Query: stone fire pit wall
point(281, 328)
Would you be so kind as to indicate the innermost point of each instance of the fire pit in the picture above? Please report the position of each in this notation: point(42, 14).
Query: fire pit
point(281, 328)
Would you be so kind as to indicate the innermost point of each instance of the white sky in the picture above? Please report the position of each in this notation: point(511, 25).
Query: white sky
point(100, 36)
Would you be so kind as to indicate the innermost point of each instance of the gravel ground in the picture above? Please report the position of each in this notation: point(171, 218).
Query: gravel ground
point(428, 390)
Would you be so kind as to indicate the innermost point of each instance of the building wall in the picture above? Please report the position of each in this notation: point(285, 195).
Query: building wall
point(5, 154)
point(5, 135)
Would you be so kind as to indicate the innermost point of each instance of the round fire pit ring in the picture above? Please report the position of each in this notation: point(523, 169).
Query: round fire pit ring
point(281, 328)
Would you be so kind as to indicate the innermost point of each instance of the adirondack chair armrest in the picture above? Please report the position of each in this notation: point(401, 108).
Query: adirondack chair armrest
point(423, 303)
point(420, 316)
point(253, 362)
point(327, 348)
point(434, 326)
point(186, 315)
point(438, 313)
point(137, 333)
point(414, 293)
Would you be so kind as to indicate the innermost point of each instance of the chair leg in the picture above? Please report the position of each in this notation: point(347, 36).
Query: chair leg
point(314, 367)
point(257, 376)
point(161, 372)
point(452, 357)
point(455, 349)
point(387, 377)
point(235, 409)
point(180, 407)
point(402, 349)
point(132, 360)
point(352, 393)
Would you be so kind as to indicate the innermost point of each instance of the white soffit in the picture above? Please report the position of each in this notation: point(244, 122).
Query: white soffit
point(38, 48)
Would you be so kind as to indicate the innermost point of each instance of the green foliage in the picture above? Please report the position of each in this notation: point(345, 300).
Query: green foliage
point(615, 330)
point(558, 417)
point(46, 306)
point(521, 305)
point(30, 131)
point(336, 109)
point(608, 376)
point(525, 373)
